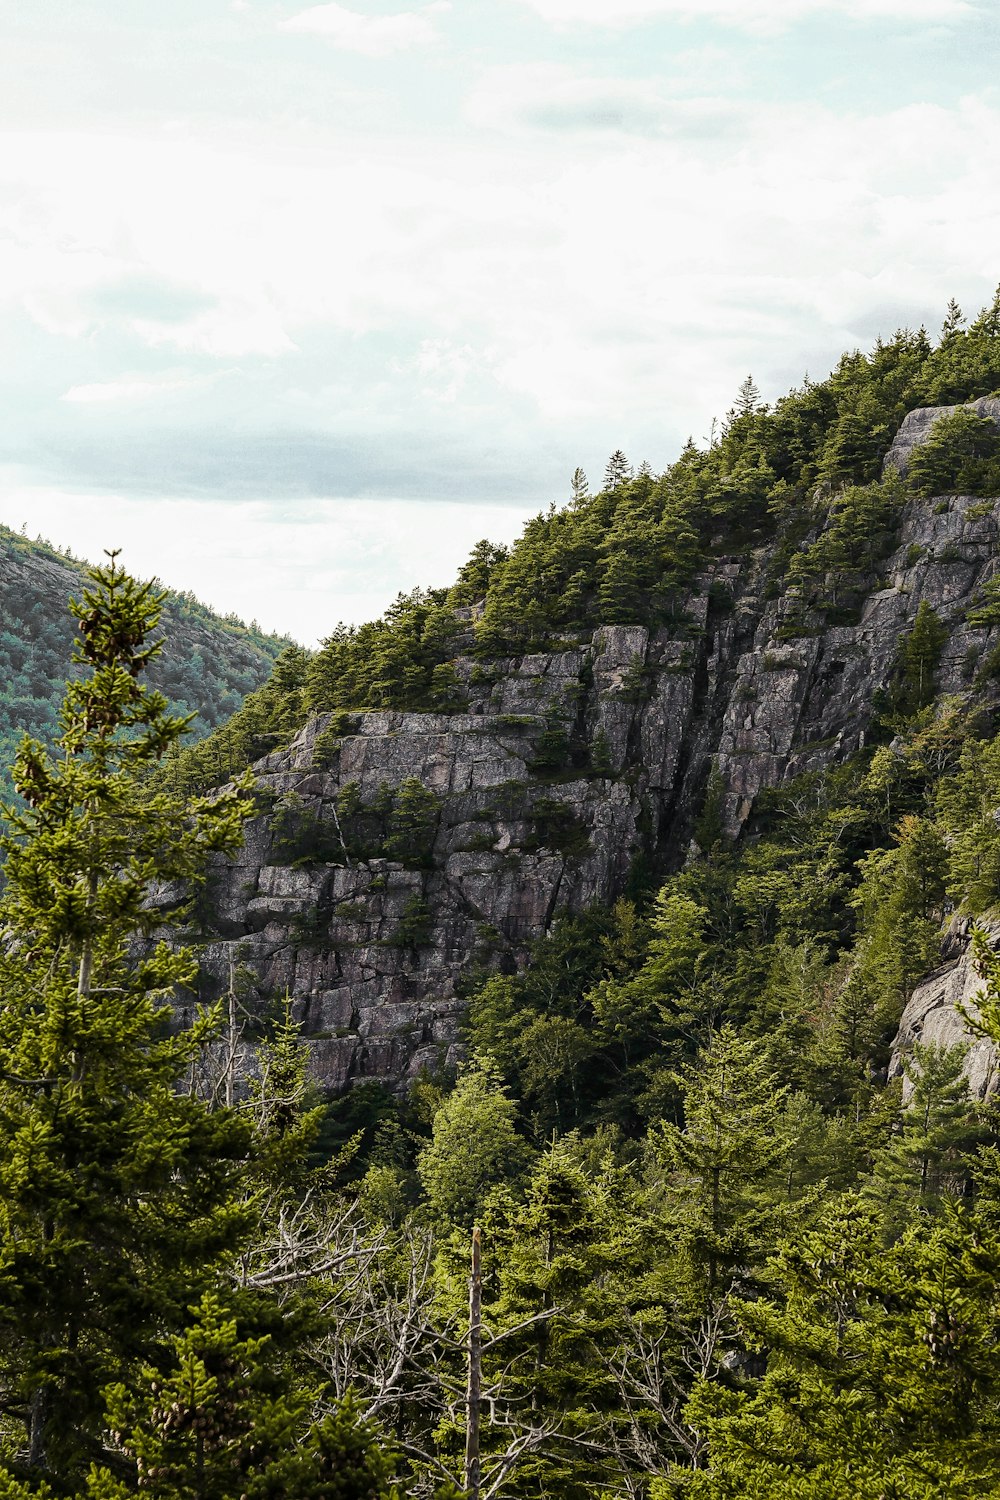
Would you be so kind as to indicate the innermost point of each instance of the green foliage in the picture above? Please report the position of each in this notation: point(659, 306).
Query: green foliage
point(920, 655)
point(212, 1421)
point(415, 925)
point(207, 667)
point(412, 824)
point(961, 456)
point(474, 1147)
point(859, 532)
point(556, 827)
point(882, 1372)
point(927, 1161)
point(720, 1256)
point(132, 1358)
point(400, 824)
point(804, 476)
point(727, 1158)
point(104, 1164)
point(985, 611)
point(392, 662)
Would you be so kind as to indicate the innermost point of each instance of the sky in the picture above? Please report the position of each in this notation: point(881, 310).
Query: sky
point(299, 302)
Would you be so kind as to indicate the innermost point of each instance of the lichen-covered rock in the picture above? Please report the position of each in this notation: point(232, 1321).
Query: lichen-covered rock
point(938, 1012)
point(563, 769)
point(917, 425)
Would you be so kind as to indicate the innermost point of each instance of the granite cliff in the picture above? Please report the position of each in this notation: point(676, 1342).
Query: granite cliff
point(395, 852)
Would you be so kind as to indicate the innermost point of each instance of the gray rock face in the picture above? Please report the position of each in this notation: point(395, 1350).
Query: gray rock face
point(938, 1013)
point(916, 428)
point(374, 949)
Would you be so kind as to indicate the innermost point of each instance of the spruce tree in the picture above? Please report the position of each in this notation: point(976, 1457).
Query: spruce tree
point(881, 1374)
point(725, 1165)
point(580, 487)
point(118, 1192)
point(928, 1158)
point(921, 656)
point(618, 471)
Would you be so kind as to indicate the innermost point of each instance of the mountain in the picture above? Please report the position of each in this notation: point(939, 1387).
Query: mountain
point(635, 898)
point(207, 667)
point(755, 683)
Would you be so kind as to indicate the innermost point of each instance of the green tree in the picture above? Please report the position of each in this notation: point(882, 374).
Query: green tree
point(928, 1158)
point(882, 1371)
point(473, 1148)
point(921, 656)
point(412, 824)
point(724, 1162)
point(580, 487)
point(960, 455)
point(118, 1191)
point(617, 470)
point(213, 1421)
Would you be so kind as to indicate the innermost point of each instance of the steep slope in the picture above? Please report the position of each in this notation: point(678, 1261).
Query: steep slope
point(208, 665)
point(632, 694)
point(567, 773)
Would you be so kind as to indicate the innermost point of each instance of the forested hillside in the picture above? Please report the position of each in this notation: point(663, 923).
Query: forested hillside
point(805, 475)
point(569, 917)
point(208, 667)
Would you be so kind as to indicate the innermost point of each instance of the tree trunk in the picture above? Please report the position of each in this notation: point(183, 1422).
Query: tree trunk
point(472, 1478)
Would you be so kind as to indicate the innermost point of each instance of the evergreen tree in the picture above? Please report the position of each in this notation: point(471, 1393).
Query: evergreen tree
point(881, 1375)
point(213, 1422)
point(921, 656)
point(618, 471)
point(580, 487)
point(118, 1192)
point(747, 398)
point(928, 1159)
point(473, 1148)
point(412, 824)
point(724, 1162)
point(954, 320)
point(961, 456)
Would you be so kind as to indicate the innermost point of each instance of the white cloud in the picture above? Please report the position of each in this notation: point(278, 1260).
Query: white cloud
point(553, 97)
point(509, 302)
point(446, 369)
point(374, 36)
point(751, 15)
point(128, 388)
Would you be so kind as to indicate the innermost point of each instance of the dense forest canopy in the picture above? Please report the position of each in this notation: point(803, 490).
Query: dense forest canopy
point(723, 1255)
point(209, 665)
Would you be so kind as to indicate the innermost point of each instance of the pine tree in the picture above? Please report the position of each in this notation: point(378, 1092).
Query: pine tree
point(117, 1191)
point(724, 1162)
point(580, 487)
point(618, 471)
point(881, 1370)
point(212, 1422)
point(929, 1157)
point(747, 398)
point(921, 655)
point(412, 824)
point(953, 321)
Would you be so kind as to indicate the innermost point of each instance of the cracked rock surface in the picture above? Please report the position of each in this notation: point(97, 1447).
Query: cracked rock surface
point(518, 840)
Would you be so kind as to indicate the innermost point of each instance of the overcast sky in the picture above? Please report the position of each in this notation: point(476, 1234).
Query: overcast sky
point(296, 304)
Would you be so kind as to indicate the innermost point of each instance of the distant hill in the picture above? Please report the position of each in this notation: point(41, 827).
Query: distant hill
point(208, 665)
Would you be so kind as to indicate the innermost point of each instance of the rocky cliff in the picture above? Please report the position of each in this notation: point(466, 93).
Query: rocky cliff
point(942, 1011)
point(563, 772)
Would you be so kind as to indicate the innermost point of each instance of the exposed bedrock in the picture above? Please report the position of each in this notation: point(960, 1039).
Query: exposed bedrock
point(942, 1011)
point(562, 770)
